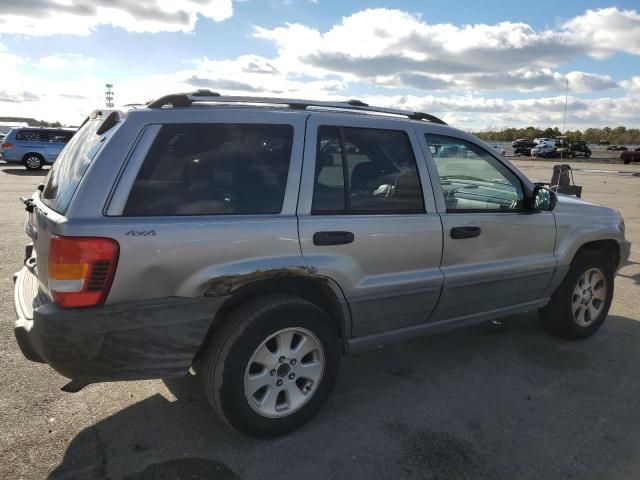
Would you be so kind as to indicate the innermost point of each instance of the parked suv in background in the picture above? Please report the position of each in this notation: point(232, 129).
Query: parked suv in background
point(579, 148)
point(257, 240)
point(34, 147)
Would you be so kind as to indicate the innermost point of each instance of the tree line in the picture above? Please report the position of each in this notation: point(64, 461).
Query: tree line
point(617, 135)
point(32, 122)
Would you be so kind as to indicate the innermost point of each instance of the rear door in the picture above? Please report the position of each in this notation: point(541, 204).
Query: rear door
point(367, 219)
point(61, 183)
point(497, 254)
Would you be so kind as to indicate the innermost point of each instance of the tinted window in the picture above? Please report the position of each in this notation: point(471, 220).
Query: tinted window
point(71, 165)
point(213, 169)
point(59, 137)
point(31, 135)
point(471, 178)
point(362, 170)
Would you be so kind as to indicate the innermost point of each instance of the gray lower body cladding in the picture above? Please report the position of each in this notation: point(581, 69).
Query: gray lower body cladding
point(127, 341)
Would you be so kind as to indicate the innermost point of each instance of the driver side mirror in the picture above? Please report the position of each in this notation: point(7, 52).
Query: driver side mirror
point(543, 199)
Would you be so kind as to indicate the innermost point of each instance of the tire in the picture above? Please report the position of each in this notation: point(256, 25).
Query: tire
point(627, 162)
point(262, 326)
point(565, 315)
point(33, 161)
point(587, 155)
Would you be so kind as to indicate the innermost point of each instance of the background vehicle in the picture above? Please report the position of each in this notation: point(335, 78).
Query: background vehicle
point(579, 148)
point(34, 147)
point(544, 150)
point(617, 148)
point(499, 149)
point(256, 244)
point(522, 146)
point(630, 156)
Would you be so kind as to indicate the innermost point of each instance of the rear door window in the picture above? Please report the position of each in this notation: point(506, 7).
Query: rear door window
point(71, 165)
point(213, 169)
point(365, 171)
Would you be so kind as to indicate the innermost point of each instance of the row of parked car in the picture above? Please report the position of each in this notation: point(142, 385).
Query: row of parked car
point(547, 148)
point(34, 147)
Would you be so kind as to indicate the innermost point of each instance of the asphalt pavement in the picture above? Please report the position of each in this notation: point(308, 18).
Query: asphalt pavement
point(498, 400)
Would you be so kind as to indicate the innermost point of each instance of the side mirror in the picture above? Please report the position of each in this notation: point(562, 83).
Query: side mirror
point(543, 199)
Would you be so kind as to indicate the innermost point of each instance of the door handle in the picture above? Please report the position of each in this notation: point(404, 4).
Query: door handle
point(332, 238)
point(465, 232)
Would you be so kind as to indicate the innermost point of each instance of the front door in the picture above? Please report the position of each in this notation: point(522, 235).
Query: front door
point(497, 255)
point(367, 219)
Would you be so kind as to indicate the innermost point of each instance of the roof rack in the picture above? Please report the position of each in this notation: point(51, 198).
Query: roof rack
point(186, 99)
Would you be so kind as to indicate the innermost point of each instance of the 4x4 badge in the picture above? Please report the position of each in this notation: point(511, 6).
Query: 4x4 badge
point(135, 233)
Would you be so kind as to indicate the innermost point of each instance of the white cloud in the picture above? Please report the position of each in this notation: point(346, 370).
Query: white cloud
point(394, 48)
point(80, 17)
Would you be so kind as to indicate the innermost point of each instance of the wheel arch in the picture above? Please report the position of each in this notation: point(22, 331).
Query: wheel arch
point(35, 154)
point(321, 291)
point(609, 247)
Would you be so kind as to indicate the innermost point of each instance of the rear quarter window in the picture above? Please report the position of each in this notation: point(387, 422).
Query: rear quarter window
point(213, 169)
point(71, 165)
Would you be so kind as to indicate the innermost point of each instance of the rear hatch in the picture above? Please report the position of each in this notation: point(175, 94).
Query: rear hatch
point(50, 204)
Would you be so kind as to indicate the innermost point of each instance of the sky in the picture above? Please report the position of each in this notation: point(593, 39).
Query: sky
point(476, 64)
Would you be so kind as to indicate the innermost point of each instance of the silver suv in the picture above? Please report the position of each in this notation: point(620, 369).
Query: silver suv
point(258, 240)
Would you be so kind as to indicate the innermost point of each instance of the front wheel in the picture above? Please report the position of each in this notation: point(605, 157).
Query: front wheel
point(272, 365)
point(581, 303)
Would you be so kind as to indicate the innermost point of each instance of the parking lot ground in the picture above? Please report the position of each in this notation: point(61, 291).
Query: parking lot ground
point(492, 401)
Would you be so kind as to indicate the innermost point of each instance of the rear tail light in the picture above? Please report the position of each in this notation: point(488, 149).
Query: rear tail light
point(81, 270)
point(6, 145)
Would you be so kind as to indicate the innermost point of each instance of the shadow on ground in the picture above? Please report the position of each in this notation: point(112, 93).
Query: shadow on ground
point(23, 172)
point(493, 401)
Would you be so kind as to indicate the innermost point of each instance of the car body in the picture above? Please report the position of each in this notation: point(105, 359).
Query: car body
point(257, 242)
point(34, 147)
point(499, 149)
point(630, 156)
point(544, 141)
point(522, 146)
point(544, 150)
point(579, 148)
point(617, 148)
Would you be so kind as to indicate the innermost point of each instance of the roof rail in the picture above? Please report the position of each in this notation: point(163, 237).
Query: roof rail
point(186, 99)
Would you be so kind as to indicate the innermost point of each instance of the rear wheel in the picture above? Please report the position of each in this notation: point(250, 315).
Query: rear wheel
point(580, 305)
point(272, 365)
point(33, 161)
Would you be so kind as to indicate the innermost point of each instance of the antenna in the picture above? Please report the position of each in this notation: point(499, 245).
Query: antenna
point(108, 95)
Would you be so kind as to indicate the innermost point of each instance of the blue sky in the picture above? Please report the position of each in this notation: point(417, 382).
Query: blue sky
point(478, 64)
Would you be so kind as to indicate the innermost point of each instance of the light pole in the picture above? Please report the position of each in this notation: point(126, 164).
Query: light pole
point(109, 95)
point(566, 99)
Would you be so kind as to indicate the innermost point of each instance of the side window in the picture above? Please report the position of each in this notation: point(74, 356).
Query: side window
point(471, 178)
point(213, 169)
point(59, 137)
point(31, 135)
point(365, 171)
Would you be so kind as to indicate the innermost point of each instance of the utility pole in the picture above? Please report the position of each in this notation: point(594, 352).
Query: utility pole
point(109, 95)
point(566, 99)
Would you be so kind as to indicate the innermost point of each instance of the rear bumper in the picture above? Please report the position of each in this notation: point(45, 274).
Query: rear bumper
point(128, 341)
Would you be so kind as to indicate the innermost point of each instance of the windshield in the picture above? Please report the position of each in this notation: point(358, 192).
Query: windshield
point(71, 165)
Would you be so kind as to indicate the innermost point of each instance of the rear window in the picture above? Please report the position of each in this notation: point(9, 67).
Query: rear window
point(71, 165)
point(213, 169)
point(59, 137)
